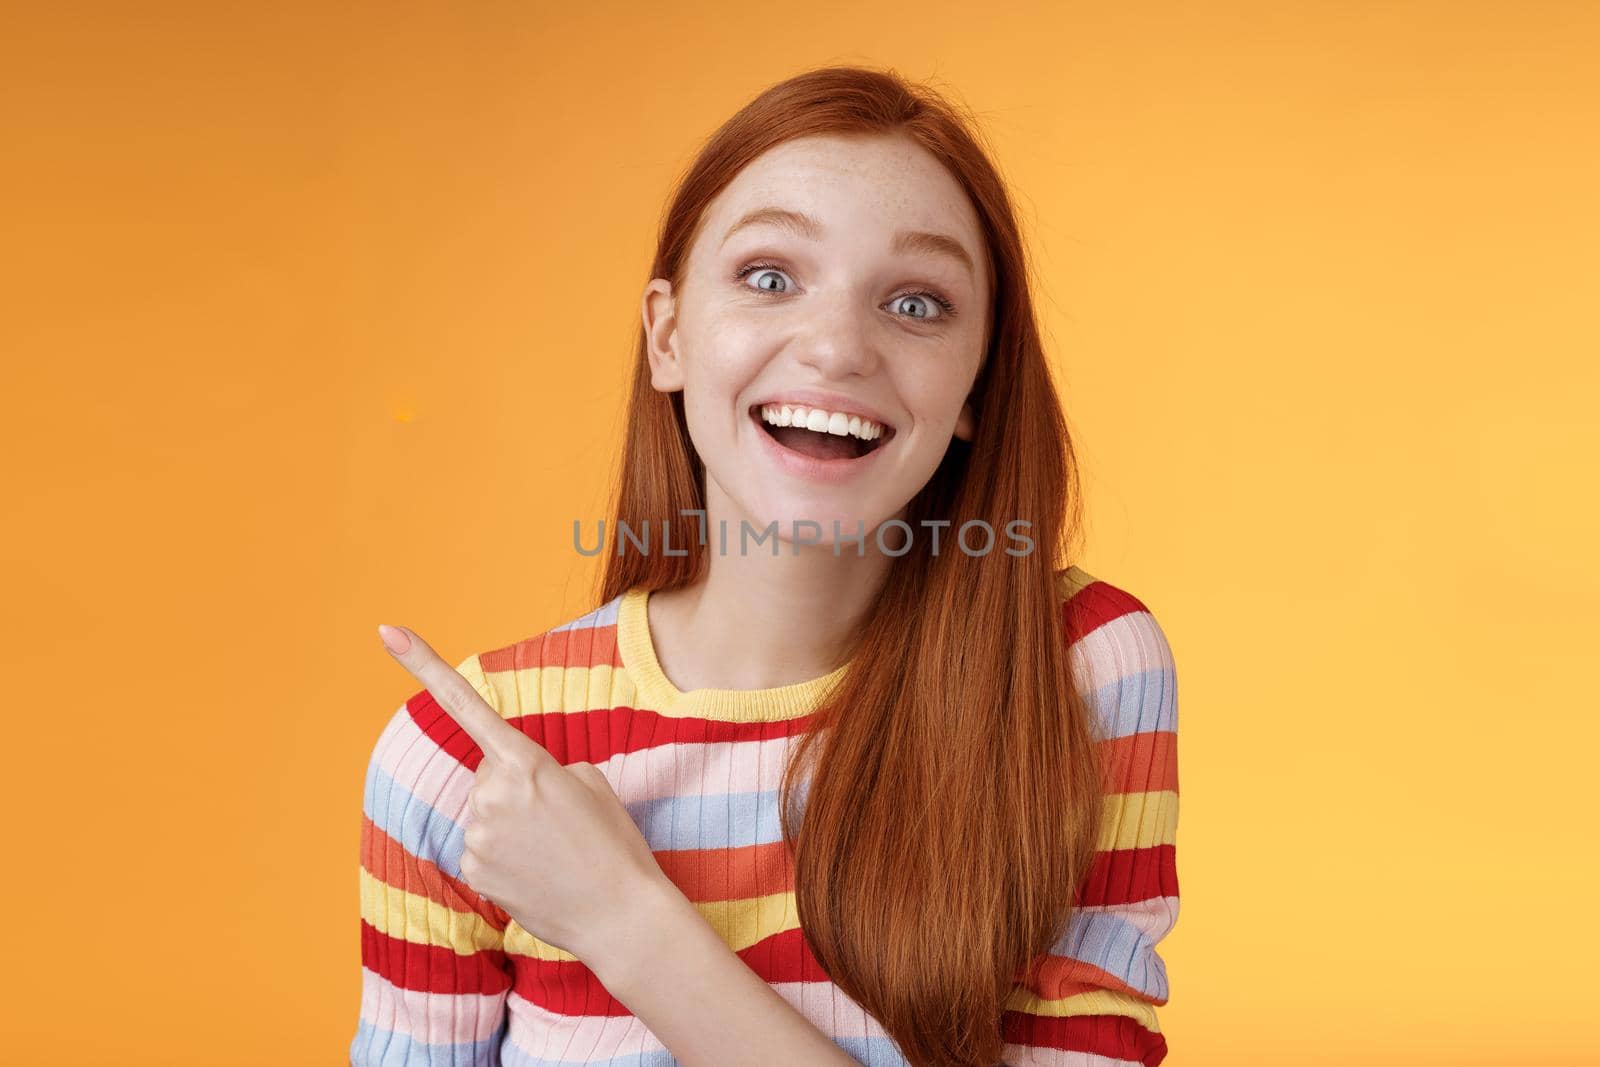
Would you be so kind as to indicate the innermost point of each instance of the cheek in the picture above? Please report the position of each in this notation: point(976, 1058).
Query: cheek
point(725, 356)
point(729, 335)
point(933, 397)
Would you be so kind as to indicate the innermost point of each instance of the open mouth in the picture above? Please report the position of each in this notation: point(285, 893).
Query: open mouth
point(836, 437)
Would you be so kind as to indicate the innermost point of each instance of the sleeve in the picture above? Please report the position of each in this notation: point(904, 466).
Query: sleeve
point(434, 974)
point(1101, 983)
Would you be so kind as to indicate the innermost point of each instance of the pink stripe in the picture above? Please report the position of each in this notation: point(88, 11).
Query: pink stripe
point(425, 770)
point(680, 771)
point(545, 1037)
point(411, 758)
point(1104, 653)
point(432, 1018)
point(1028, 1056)
point(590, 1038)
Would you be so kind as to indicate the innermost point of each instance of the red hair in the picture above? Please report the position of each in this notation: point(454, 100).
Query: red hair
point(953, 808)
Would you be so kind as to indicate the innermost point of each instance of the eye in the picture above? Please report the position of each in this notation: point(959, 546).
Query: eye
point(762, 270)
point(927, 300)
point(924, 300)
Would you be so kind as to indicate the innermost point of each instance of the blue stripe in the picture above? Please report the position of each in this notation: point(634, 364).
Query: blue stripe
point(604, 615)
point(717, 820)
point(376, 1047)
point(1137, 703)
point(420, 828)
point(1112, 942)
point(872, 1051)
point(1144, 697)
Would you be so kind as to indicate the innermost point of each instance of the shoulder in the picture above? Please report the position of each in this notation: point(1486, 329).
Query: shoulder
point(1120, 655)
point(423, 762)
point(421, 750)
point(555, 669)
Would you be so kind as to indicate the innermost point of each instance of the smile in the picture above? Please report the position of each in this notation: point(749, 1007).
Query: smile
point(818, 443)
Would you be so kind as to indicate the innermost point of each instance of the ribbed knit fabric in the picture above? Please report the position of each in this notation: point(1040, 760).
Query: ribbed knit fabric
point(448, 979)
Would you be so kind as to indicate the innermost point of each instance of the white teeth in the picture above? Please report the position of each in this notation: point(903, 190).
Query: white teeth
point(834, 422)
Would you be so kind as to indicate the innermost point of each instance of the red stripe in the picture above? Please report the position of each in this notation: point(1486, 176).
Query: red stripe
point(433, 968)
point(1095, 605)
point(442, 730)
point(1128, 876)
point(1116, 1036)
point(1140, 763)
point(582, 646)
point(1115, 876)
point(739, 873)
point(593, 736)
point(1063, 976)
point(388, 861)
point(569, 987)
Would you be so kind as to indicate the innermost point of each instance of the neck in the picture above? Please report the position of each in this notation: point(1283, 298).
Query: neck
point(753, 620)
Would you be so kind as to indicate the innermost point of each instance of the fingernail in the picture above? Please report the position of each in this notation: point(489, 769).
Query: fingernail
point(394, 640)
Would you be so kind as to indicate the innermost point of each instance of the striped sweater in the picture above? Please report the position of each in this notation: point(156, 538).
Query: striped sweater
point(447, 978)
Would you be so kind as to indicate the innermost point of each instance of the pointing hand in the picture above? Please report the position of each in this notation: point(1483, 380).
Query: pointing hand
point(550, 844)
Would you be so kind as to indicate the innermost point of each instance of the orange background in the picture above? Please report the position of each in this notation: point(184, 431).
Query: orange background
point(318, 315)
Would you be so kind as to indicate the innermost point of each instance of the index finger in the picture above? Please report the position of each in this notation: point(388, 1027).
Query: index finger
point(497, 738)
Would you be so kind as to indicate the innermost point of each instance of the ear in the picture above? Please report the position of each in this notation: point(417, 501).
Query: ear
point(965, 422)
point(659, 311)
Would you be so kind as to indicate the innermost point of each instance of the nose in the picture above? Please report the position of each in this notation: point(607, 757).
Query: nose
point(839, 340)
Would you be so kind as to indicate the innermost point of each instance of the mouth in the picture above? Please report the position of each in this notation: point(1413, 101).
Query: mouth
point(837, 437)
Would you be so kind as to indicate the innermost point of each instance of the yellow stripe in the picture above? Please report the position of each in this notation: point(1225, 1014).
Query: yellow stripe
point(1093, 1002)
point(740, 924)
point(555, 689)
point(1071, 579)
point(522, 943)
point(1139, 820)
point(573, 690)
point(421, 920)
point(568, 690)
point(471, 669)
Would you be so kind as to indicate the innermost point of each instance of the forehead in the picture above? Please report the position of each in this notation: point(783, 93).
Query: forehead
point(855, 186)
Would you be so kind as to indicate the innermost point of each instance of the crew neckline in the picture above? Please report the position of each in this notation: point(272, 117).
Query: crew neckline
point(638, 653)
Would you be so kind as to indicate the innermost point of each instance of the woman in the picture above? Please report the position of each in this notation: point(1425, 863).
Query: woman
point(847, 765)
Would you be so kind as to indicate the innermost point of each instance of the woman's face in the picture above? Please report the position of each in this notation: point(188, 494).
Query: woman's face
point(844, 275)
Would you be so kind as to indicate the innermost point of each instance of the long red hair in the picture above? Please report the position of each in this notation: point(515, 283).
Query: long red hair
point(953, 812)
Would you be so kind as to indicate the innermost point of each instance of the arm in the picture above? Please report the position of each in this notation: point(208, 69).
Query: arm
point(1100, 985)
point(694, 993)
point(434, 976)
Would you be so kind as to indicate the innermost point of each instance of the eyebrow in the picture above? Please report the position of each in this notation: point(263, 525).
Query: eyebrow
point(804, 225)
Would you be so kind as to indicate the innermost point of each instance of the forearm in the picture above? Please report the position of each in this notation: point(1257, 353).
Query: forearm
point(710, 1010)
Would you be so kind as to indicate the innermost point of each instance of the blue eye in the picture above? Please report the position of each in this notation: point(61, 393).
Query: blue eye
point(926, 298)
point(947, 309)
point(763, 268)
